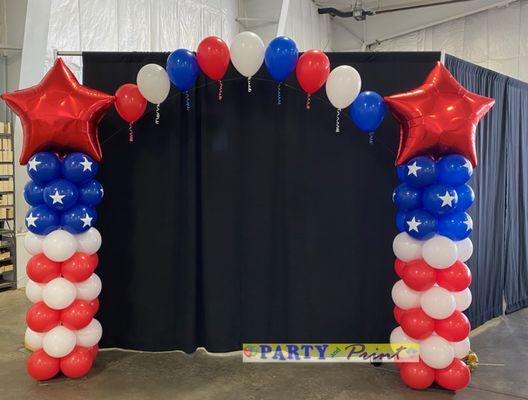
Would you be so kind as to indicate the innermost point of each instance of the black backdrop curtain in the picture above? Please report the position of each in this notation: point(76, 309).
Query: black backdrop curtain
point(499, 264)
point(242, 220)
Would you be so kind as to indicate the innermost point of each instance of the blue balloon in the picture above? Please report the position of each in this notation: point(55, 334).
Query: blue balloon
point(182, 69)
point(281, 57)
point(440, 198)
point(91, 193)
point(454, 169)
point(60, 194)
point(466, 197)
point(400, 221)
point(78, 167)
point(420, 224)
point(42, 220)
point(44, 167)
point(420, 171)
point(33, 193)
point(400, 170)
point(78, 219)
point(407, 198)
point(456, 226)
point(367, 111)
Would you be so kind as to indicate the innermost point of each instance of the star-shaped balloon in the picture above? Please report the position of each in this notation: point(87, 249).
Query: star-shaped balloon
point(437, 118)
point(59, 114)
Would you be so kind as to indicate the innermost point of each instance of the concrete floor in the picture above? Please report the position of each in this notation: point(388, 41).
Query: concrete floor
point(201, 376)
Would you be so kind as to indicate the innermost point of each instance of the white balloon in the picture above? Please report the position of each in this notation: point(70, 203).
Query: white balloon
point(461, 348)
point(398, 336)
point(436, 352)
point(89, 289)
point(33, 340)
point(59, 342)
point(59, 293)
point(440, 252)
point(247, 53)
point(462, 299)
point(437, 302)
point(33, 243)
point(406, 248)
point(153, 83)
point(90, 335)
point(465, 249)
point(59, 245)
point(404, 297)
point(34, 291)
point(343, 86)
point(89, 241)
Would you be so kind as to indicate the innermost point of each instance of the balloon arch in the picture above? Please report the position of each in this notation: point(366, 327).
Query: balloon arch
point(435, 160)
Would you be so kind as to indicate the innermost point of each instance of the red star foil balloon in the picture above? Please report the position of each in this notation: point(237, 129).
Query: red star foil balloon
point(59, 114)
point(437, 118)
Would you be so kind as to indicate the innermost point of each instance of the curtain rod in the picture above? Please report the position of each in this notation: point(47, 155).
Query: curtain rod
point(68, 53)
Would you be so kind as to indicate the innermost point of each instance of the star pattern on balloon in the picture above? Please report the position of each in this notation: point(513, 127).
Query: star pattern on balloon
point(438, 118)
point(59, 114)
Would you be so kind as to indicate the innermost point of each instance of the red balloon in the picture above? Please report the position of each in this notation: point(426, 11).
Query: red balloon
point(41, 318)
point(312, 70)
point(59, 114)
point(454, 377)
point(79, 267)
point(417, 375)
point(398, 314)
point(455, 278)
point(418, 275)
point(42, 367)
point(77, 315)
point(94, 350)
point(77, 363)
point(399, 266)
point(437, 118)
point(95, 305)
point(129, 103)
point(213, 57)
point(41, 269)
point(417, 324)
point(454, 328)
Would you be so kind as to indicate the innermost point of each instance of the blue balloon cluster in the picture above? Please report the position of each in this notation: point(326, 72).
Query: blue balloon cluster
point(434, 196)
point(62, 193)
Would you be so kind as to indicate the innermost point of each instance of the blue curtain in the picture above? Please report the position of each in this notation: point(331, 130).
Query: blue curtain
point(499, 262)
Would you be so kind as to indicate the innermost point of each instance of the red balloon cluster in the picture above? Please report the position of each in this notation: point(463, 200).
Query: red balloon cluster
point(42, 367)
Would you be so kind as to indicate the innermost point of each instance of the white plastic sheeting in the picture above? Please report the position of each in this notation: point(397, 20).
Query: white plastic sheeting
point(136, 25)
point(300, 21)
point(495, 39)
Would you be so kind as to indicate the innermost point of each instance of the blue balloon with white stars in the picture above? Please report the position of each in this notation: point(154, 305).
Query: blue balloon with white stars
point(407, 198)
point(33, 193)
point(78, 219)
point(440, 199)
point(456, 226)
point(400, 170)
point(400, 221)
point(420, 171)
point(42, 220)
point(78, 167)
point(60, 195)
point(44, 167)
point(454, 169)
point(91, 193)
point(466, 197)
point(420, 224)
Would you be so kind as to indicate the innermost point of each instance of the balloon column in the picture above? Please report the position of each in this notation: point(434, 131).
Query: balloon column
point(62, 192)
point(435, 161)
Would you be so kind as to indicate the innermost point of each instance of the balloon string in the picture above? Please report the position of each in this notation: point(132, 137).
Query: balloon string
point(249, 84)
point(337, 120)
point(130, 133)
point(371, 138)
point(220, 89)
point(308, 101)
point(279, 99)
point(156, 121)
point(187, 100)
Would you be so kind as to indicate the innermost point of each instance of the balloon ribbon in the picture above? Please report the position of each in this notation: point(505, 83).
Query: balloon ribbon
point(156, 121)
point(187, 100)
point(279, 99)
point(337, 120)
point(308, 101)
point(130, 133)
point(249, 84)
point(220, 88)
